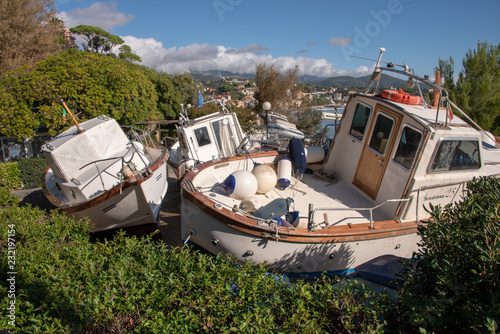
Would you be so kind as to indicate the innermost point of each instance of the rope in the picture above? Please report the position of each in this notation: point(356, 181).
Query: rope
point(321, 175)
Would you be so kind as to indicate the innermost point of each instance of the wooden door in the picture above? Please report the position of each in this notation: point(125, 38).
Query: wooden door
point(376, 151)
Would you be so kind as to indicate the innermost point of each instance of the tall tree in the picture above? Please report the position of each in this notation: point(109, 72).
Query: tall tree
point(127, 54)
point(274, 87)
point(28, 32)
point(447, 69)
point(478, 86)
point(97, 39)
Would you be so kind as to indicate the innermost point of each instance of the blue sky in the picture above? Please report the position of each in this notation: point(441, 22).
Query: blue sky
point(318, 35)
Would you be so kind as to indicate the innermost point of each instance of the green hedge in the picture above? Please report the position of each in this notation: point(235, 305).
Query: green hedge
point(10, 177)
point(26, 173)
point(65, 283)
point(31, 171)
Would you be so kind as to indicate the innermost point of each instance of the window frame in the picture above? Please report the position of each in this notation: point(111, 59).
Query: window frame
point(416, 151)
point(438, 146)
point(195, 131)
point(372, 133)
point(367, 121)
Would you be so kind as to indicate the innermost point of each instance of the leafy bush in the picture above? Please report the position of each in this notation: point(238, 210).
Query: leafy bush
point(65, 283)
point(455, 286)
point(10, 175)
point(6, 198)
point(31, 171)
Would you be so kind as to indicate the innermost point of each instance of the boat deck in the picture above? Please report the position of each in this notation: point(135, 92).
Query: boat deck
point(343, 203)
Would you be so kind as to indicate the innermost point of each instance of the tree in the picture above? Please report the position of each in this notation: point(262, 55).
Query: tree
point(28, 32)
point(309, 121)
point(187, 86)
point(169, 96)
point(446, 67)
point(478, 86)
point(91, 84)
point(127, 54)
point(274, 87)
point(98, 40)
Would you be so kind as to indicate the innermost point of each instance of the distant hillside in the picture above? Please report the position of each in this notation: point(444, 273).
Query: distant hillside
point(348, 81)
point(217, 75)
point(340, 81)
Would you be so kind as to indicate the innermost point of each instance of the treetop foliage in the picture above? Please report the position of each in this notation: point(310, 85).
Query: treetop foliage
point(98, 39)
point(477, 91)
point(91, 84)
point(274, 87)
point(28, 32)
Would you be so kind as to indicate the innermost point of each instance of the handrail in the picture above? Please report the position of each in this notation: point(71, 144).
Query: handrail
point(310, 222)
point(132, 148)
point(99, 173)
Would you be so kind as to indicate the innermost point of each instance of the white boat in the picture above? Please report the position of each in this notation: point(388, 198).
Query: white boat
point(388, 161)
point(207, 138)
point(279, 127)
point(96, 171)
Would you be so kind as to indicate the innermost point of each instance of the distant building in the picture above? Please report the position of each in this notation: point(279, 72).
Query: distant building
point(249, 91)
point(246, 102)
point(224, 98)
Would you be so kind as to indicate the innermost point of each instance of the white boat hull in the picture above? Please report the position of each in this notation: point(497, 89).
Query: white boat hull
point(137, 204)
point(202, 226)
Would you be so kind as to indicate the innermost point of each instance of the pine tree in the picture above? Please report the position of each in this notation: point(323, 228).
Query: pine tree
point(478, 86)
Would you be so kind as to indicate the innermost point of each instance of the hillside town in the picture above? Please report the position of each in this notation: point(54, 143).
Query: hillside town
point(240, 92)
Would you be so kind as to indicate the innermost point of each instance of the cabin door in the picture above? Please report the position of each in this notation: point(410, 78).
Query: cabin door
point(376, 152)
point(204, 144)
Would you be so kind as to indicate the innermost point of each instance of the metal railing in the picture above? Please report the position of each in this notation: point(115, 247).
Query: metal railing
point(310, 220)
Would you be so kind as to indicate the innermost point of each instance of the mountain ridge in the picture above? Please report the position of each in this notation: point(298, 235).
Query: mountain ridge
point(339, 81)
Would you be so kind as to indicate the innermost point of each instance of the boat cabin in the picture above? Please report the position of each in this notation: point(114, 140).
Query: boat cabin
point(389, 150)
point(204, 139)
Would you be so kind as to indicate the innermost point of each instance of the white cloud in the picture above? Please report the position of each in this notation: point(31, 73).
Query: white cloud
point(99, 14)
point(205, 57)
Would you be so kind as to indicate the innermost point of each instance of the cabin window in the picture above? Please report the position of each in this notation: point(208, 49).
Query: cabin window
point(407, 148)
point(456, 154)
point(360, 121)
point(202, 136)
point(381, 133)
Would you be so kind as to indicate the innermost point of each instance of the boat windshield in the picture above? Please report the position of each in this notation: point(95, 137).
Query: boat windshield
point(456, 154)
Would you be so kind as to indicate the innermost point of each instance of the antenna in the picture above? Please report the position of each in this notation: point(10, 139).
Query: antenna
point(390, 64)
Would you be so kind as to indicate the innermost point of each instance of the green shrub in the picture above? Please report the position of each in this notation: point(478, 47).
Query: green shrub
point(31, 171)
point(6, 198)
point(455, 286)
point(65, 283)
point(10, 175)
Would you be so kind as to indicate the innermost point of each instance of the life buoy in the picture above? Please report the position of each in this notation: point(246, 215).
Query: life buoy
point(400, 96)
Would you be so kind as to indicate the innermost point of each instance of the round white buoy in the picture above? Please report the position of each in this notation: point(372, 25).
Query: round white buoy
point(284, 173)
point(266, 178)
point(240, 184)
point(189, 163)
point(314, 154)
